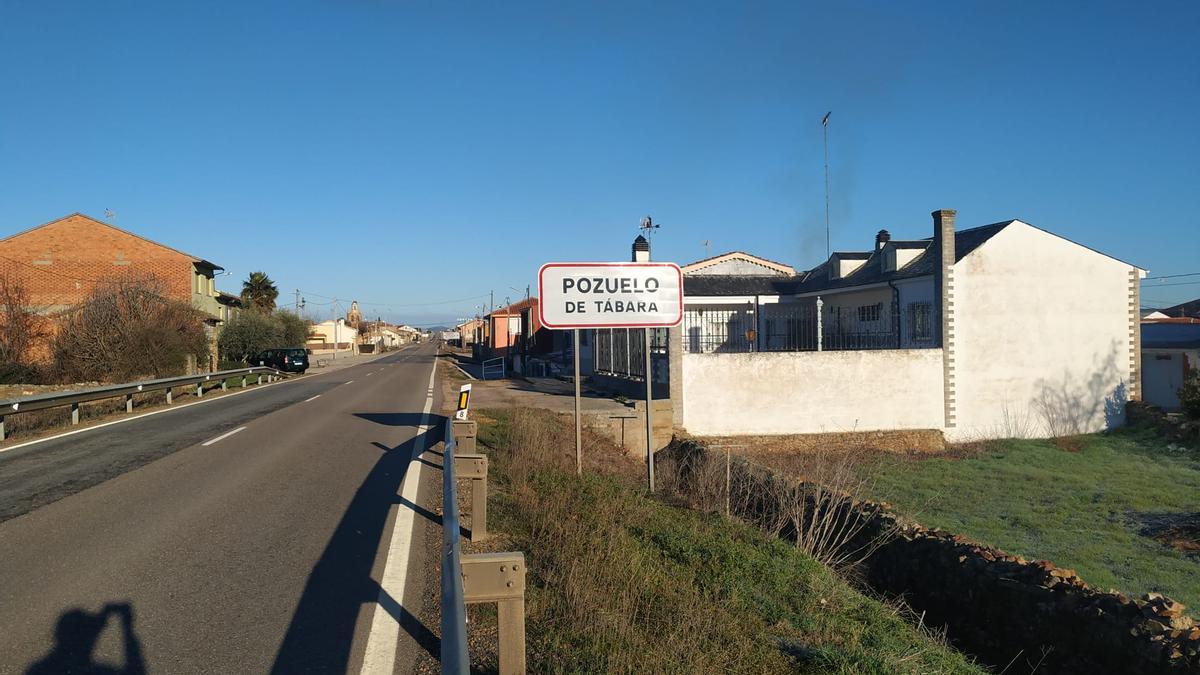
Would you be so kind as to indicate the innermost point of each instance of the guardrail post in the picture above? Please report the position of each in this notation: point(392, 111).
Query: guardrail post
point(168, 395)
point(74, 413)
point(128, 403)
point(1, 427)
point(500, 578)
point(224, 384)
point(464, 435)
point(200, 390)
point(245, 378)
point(260, 378)
point(475, 467)
point(468, 464)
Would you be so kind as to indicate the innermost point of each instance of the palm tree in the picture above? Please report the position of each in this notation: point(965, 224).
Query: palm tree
point(259, 292)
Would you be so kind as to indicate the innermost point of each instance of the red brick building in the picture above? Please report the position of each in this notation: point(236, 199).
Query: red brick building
point(61, 262)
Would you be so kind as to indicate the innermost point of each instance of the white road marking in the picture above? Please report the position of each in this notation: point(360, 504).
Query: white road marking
point(370, 374)
point(380, 656)
point(350, 382)
point(312, 399)
point(173, 408)
point(222, 436)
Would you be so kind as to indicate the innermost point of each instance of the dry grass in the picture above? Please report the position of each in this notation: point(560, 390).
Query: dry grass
point(624, 582)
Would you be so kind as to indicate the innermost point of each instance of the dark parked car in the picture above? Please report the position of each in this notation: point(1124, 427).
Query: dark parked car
point(289, 360)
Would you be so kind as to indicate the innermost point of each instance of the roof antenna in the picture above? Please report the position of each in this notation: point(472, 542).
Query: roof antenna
point(110, 216)
point(707, 248)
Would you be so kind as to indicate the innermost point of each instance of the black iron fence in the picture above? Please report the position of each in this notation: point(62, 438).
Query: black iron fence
point(804, 326)
point(622, 352)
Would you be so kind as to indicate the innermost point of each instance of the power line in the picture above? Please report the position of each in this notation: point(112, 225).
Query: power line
point(1178, 283)
point(390, 305)
point(1170, 276)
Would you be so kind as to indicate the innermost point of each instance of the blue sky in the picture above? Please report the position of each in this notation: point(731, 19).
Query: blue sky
point(407, 153)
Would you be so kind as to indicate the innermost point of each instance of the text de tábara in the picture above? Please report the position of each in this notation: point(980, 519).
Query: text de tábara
point(611, 286)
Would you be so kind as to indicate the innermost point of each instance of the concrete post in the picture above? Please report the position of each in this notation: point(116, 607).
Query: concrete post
point(200, 390)
point(675, 373)
point(128, 403)
point(1, 427)
point(168, 396)
point(74, 413)
point(245, 378)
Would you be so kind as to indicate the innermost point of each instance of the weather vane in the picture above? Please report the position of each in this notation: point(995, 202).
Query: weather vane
point(648, 226)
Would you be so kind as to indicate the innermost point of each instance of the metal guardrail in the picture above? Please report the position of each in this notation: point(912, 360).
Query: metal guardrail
point(454, 607)
point(495, 367)
point(74, 398)
point(481, 577)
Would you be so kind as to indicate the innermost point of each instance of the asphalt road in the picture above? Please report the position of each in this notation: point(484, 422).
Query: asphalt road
point(258, 552)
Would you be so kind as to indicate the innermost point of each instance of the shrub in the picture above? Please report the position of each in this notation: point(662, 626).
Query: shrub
point(250, 332)
point(1189, 395)
point(127, 330)
point(21, 331)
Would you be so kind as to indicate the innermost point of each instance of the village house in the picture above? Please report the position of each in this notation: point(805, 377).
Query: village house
point(993, 331)
point(61, 262)
point(1170, 352)
point(332, 337)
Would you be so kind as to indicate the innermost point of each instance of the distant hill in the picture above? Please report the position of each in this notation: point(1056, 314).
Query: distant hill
point(437, 329)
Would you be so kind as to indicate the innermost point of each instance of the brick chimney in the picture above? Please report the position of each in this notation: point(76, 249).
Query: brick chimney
point(943, 279)
point(881, 238)
point(641, 249)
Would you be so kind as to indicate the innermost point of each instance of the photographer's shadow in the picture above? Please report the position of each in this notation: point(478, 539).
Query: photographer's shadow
point(75, 639)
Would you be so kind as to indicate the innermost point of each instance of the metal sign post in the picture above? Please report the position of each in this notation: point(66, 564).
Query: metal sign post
point(578, 431)
point(612, 295)
point(649, 415)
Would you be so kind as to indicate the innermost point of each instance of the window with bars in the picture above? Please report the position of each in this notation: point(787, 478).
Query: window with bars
point(870, 312)
point(920, 321)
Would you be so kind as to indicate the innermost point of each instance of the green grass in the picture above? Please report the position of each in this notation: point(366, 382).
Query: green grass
point(1077, 509)
point(623, 582)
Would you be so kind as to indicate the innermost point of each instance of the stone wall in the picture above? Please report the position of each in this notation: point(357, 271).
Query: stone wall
point(1002, 608)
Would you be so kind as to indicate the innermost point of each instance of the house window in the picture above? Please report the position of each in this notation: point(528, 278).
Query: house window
point(920, 321)
point(870, 312)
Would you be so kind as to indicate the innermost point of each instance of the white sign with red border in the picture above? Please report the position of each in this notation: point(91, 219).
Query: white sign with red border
point(610, 295)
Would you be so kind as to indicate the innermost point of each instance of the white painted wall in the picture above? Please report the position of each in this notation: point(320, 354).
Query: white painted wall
point(1042, 337)
point(812, 392)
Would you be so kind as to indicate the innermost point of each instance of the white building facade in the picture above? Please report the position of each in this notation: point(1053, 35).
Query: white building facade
point(1004, 330)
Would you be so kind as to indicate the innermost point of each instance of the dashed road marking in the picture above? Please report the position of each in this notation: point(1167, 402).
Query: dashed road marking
point(312, 399)
point(223, 436)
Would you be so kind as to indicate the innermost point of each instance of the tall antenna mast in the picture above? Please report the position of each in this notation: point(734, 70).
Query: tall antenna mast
point(825, 133)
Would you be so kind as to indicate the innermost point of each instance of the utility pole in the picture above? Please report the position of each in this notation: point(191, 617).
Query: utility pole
point(333, 310)
point(297, 302)
point(825, 133)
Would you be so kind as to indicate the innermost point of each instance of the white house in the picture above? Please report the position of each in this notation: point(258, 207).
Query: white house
point(328, 336)
point(994, 331)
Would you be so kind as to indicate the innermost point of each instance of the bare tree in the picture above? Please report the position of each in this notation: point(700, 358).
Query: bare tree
point(128, 329)
point(21, 329)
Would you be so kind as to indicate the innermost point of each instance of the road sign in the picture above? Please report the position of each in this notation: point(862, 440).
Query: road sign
point(610, 295)
point(464, 399)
